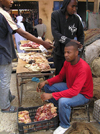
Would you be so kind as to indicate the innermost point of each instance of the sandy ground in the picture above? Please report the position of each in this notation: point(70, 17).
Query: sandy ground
point(8, 121)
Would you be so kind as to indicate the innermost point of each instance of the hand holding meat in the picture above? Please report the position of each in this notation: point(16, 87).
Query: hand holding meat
point(48, 45)
point(46, 96)
point(41, 85)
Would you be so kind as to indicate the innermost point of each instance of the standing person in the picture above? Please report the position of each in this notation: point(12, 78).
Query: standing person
point(25, 23)
point(77, 90)
point(18, 37)
point(7, 53)
point(28, 25)
point(34, 30)
point(41, 29)
point(65, 26)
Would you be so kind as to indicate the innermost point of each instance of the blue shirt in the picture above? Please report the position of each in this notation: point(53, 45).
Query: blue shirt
point(7, 26)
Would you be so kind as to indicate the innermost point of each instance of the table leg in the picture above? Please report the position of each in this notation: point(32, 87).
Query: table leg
point(18, 90)
point(21, 92)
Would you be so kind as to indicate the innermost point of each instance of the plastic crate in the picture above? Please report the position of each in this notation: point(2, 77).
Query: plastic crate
point(96, 110)
point(35, 126)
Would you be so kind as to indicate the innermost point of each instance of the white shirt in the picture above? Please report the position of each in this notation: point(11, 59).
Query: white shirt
point(18, 37)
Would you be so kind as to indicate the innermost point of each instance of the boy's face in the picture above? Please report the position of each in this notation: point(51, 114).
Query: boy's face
point(7, 3)
point(40, 21)
point(71, 8)
point(70, 53)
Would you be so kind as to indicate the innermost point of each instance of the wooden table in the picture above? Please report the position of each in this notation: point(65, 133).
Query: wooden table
point(23, 73)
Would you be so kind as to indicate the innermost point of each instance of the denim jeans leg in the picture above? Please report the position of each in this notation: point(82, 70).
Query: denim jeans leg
point(65, 105)
point(55, 88)
point(5, 76)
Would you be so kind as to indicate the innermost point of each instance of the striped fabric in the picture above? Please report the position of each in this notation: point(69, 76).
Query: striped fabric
point(91, 35)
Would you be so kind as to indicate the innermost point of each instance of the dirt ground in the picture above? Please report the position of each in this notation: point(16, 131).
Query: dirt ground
point(82, 128)
point(8, 122)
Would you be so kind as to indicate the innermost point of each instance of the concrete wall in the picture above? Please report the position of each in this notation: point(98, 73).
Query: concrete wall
point(45, 10)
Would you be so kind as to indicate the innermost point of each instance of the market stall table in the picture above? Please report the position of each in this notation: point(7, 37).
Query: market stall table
point(29, 47)
point(23, 73)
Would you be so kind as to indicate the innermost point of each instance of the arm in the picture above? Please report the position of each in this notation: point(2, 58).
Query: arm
point(13, 27)
point(60, 77)
point(41, 85)
point(56, 79)
point(46, 96)
point(14, 41)
point(43, 34)
point(68, 93)
point(29, 36)
point(74, 89)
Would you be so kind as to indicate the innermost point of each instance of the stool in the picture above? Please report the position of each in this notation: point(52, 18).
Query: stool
point(82, 106)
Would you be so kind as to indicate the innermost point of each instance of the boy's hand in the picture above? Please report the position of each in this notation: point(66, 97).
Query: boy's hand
point(48, 45)
point(46, 96)
point(41, 85)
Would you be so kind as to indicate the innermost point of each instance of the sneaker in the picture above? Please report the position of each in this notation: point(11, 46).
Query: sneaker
point(60, 130)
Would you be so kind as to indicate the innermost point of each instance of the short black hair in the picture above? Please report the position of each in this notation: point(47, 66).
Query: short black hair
point(72, 43)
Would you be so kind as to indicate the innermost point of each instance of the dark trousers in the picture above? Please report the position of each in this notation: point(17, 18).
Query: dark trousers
point(58, 63)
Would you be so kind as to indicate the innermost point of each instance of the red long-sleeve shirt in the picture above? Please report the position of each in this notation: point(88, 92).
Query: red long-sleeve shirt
point(78, 79)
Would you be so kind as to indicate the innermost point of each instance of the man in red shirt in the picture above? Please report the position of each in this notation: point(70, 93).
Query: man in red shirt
point(77, 90)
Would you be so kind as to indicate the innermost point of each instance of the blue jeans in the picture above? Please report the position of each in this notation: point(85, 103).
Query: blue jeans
point(5, 94)
point(64, 104)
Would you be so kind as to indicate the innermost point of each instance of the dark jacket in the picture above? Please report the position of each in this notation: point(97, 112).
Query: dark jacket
point(7, 26)
point(64, 30)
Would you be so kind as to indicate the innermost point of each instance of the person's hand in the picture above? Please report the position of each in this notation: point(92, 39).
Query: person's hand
point(79, 44)
point(46, 96)
point(41, 85)
point(48, 45)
